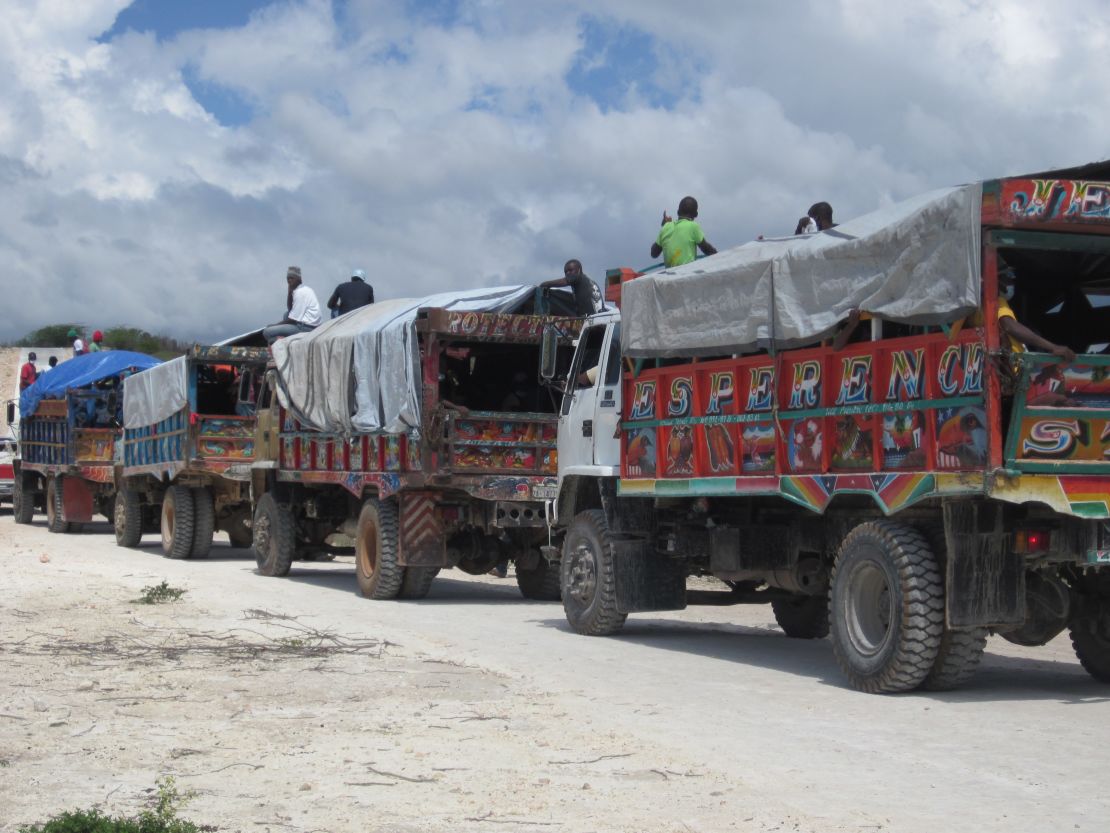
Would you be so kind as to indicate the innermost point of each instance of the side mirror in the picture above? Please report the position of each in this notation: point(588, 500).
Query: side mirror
point(246, 381)
point(11, 413)
point(549, 352)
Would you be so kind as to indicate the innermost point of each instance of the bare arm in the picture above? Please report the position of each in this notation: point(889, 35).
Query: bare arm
point(1014, 328)
point(555, 282)
point(847, 330)
point(707, 248)
point(656, 250)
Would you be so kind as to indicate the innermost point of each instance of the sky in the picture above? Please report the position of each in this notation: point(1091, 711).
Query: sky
point(162, 163)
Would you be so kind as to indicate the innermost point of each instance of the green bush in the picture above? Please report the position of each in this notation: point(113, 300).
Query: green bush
point(161, 819)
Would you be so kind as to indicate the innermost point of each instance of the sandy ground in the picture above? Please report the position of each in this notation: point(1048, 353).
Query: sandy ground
point(294, 705)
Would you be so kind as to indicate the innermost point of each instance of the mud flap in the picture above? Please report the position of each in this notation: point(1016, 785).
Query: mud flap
point(646, 580)
point(984, 580)
point(77, 500)
point(421, 534)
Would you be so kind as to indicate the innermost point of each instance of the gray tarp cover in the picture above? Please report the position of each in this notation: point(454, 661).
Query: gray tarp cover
point(151, 396)
point(916, 262)
point(360, 372)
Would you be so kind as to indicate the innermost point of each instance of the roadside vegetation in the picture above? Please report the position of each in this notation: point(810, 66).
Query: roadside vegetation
point(115, 338)
point(162, 817)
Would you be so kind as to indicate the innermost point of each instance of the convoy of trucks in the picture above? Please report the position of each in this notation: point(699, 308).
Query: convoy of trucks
point(905, 487)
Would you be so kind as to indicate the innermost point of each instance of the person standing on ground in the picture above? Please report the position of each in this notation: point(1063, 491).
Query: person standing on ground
point(351, 295)
point(51, 363)
point(303, 309)
point(28, 373)
point(587, 297)
point(78, 342)
point(679, 240)
point(97, 338)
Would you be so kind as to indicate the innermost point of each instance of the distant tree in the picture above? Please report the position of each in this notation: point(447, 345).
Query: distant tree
point(115, 338)
point(52, 335)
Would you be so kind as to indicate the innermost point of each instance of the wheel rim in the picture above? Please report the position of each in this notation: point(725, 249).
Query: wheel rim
point(870, 609)
point(168, 517)
point(582, 574)
point(367, 550)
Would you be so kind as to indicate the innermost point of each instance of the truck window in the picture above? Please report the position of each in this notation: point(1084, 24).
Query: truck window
point(613, 362)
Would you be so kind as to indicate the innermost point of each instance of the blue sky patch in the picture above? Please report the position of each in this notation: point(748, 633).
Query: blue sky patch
point(228, 107)
point(616, 59)
point(166, 18)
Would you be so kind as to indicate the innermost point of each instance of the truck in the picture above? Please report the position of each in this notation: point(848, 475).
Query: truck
point(187, 448)
point(69, 431)
point(907, 494)
point(417, 429)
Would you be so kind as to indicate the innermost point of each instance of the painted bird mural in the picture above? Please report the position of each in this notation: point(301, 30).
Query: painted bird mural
point(640, 454)
point(680, 451)
point(962, 437)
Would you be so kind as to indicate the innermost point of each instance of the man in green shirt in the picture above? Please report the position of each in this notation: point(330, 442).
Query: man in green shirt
point(679, 239)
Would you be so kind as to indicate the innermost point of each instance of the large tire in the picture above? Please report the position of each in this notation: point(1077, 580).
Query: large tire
point(886, 607)
point(204, 522)
point(128, 517)
point(417, 582)
point(23, 502)
point(177, 522)
point(274, 539)
point(55, 509)
point(542, 583)
point(588, 576)
point(957, 659)
point(239, 532)
point(1090, 637)
point(379, 574)
point(803, 617)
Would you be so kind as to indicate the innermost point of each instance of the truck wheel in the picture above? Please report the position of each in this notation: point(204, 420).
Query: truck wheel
point(55, 510)
point(957, 659)
point(417, 582)
point(274, 540)
point(1090, 637)
point(379, 574)
point(177, 522)
point(23, 502)
point(803, 617)
point(204, 522)
point(128, 517)
point(542, 583)
point(588, 576)
point(887, 607)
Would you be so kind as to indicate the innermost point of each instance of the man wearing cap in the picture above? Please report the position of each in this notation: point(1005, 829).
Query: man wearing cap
point(94, 345)
point(28, 373)
point(78, 343)
point(303, 309)
point(351, 295)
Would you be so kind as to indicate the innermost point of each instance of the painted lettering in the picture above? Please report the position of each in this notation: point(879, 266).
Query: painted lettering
point(722, 392)
point(1053, 438)
point(762, 389)
point(855, 381)
point(681, 403)
point(907, 372)
point(643, 400)
point(806, 390)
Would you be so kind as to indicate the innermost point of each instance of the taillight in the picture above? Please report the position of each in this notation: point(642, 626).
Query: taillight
point(1032, 540)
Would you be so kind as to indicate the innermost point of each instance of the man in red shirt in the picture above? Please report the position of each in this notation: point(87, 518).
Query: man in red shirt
point(28, 373)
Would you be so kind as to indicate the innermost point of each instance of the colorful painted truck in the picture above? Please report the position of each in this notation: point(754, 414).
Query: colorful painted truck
point(913, 491)
point(69, 432)
point(187, 449)
point(418, 429)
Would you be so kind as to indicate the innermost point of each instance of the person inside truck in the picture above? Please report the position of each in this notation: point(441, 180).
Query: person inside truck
point(303, 310)
point(587, 297)
point(1018, 336)
point(679, 240)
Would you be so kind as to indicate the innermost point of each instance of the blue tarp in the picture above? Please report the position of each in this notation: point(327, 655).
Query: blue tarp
point(80, 372)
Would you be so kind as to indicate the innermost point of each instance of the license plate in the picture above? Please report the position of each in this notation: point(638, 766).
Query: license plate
point(545, 492)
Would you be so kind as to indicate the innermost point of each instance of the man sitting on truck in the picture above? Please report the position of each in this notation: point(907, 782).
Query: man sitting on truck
point(304, 310)
point(351, 295)
point(587, 297)
point(679, 239)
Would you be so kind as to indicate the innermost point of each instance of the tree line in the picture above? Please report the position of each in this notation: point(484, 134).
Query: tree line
point(115, 338)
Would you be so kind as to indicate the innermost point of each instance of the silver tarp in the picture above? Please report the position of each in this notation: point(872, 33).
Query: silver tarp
point(151, 396)
point(360, 372)
point(916, 262)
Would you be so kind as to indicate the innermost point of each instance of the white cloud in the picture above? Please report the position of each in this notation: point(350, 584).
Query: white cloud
point(437, 153)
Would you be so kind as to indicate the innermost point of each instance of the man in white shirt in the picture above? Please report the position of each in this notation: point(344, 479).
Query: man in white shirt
point(304, 310)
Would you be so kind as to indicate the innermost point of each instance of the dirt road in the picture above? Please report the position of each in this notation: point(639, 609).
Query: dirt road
point(295, 705)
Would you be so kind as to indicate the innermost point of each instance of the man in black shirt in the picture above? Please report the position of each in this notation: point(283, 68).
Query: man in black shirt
point(587, 297)
point(351, 295)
